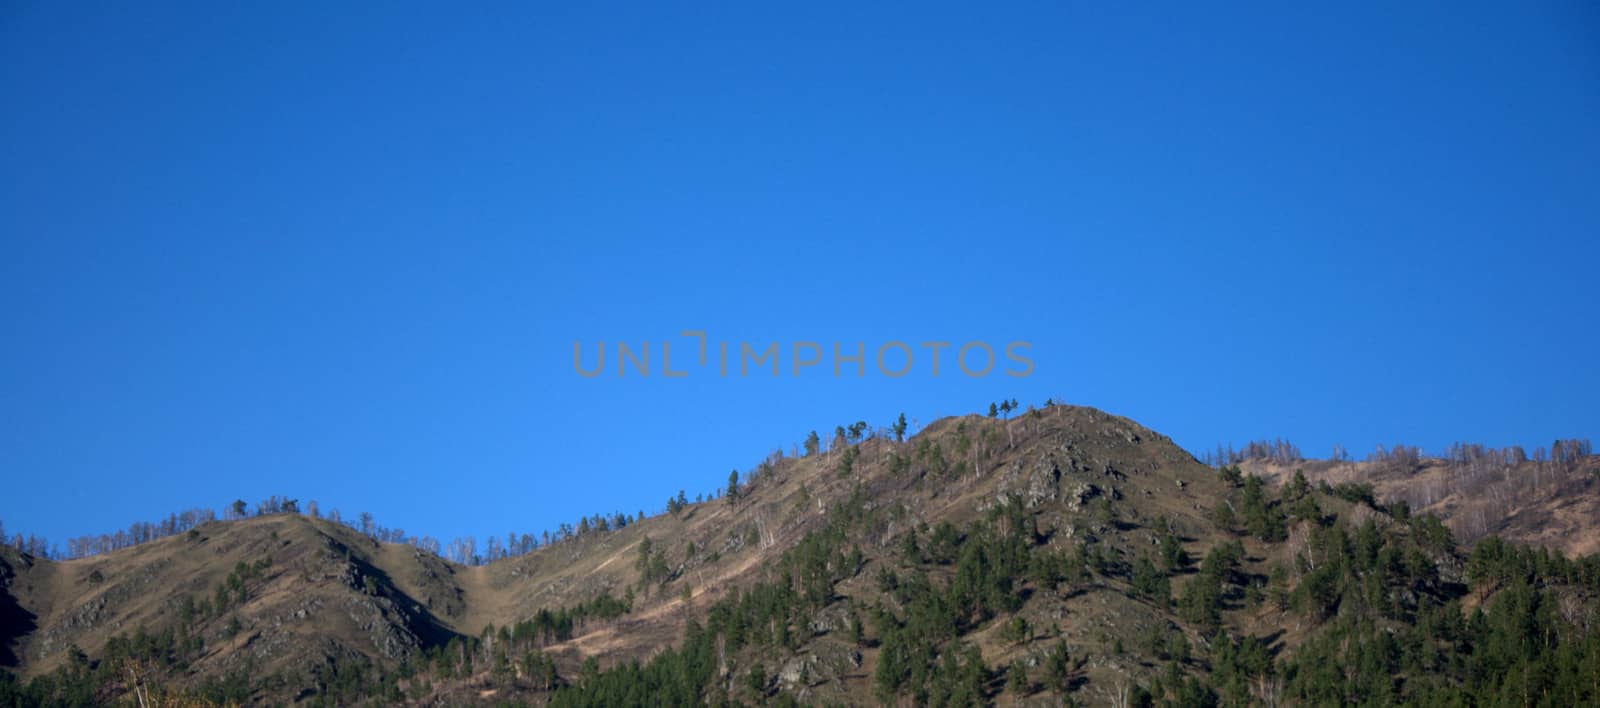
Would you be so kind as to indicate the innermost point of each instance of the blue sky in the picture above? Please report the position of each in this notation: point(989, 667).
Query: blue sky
point(344, 254)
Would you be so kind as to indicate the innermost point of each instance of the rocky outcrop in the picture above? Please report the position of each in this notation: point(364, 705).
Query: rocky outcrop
point(1035, 483)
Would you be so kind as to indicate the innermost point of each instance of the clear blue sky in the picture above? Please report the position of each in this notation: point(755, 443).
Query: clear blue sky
point(343, 255)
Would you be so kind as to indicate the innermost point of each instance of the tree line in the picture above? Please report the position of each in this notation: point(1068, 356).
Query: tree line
point(467, 550)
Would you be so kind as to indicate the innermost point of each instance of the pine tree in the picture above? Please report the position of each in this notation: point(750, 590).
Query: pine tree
point(1017, 678)
point(1058, 667)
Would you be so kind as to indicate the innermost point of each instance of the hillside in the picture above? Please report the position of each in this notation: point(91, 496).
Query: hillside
point(1545, 503)
point(1064, 551)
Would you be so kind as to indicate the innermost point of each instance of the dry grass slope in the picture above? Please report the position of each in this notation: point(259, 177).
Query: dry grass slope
point(321, 591)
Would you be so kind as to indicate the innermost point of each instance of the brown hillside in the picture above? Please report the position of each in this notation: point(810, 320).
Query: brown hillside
point(1545, 504)
point(314, 591)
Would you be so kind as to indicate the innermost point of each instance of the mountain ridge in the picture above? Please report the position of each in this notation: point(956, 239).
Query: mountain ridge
point(288, 603)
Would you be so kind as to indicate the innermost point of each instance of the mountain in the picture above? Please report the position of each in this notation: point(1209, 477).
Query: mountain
point(1061, 554)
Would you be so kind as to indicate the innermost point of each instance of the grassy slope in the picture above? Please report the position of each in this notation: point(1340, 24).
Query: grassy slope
point(316, 602)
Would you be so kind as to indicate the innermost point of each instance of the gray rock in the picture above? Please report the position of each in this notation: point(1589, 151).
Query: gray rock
point(1034, 483)
point(1081, 494)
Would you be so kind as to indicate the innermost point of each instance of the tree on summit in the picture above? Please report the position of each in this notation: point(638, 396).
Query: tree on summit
point(900, 429)
point(733, 486)
point(857, 430)
point(675, 504)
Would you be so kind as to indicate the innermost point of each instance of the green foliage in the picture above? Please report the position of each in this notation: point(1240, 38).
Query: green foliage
point(651, 564)
point(559, 624)
point(1201, 601)
point(854, 631)
point(847, 462)
point(1173, 557)
point(676, 505)
point(1231, 474)
point(1262, 519)
point(857, 431)
point(1017, 630)
point(233, 591)
point(1151, 583)
point(1222, 515)
point(931, 456)
point(1105, 512)
point(1299, 501)
point(989, 560)
point(1058, 668)
point(1017, 679)
point(1356, 493)
point(756, 680)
